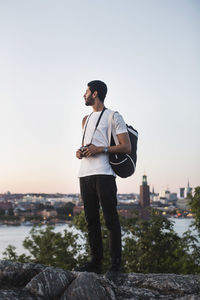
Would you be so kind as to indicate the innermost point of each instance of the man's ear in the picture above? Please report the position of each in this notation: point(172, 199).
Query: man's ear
point(95, 94)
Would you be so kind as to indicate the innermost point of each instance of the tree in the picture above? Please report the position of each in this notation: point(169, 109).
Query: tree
point(10, 254)
point(195, 208)
point(154, 247)
point(149, 246)
point(10, 212)
point(66, 210)
point(50, 248)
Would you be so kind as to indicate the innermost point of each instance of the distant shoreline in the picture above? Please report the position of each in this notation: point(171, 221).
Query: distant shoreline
point(30, 223)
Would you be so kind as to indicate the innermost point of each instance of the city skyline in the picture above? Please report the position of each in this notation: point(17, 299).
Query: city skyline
point(148, 54)
point(152, 190)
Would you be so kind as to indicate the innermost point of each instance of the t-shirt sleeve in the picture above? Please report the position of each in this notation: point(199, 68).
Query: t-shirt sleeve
point(120, 125)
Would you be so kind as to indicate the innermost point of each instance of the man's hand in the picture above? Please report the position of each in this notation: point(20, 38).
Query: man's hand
point(79, 154)
point(91, 150)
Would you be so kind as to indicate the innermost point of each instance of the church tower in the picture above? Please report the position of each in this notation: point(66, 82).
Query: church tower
point(188, 190)
point(144, 193)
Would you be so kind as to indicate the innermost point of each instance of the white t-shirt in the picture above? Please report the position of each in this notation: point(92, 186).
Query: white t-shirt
point(99, 163)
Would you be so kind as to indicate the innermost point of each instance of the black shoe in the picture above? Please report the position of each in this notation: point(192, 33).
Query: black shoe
point(90, 267)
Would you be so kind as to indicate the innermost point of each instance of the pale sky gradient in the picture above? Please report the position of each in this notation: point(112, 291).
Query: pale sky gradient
point(147, 51)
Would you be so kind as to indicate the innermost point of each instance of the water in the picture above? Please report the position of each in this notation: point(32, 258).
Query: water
point(15, 235)
point(182, 225)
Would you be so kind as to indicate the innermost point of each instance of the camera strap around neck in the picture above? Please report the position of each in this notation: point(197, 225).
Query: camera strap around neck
point(95, 126)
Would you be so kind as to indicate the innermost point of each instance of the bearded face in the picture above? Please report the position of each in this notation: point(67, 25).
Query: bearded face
point(89, 100)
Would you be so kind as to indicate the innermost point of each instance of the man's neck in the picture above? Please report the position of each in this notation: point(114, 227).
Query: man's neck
point(98, 106)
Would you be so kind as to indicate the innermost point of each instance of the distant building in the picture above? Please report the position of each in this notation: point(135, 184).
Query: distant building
point(144, 193)
point(57, 202)
point(77, 209)
point(165, 193)
point(163, 200)
point(181, 192)
point(188, 190)
point(173, 197)
point(185, 191)
point(144, 198)
point(35, 199)
point(128, 210)
point(4, 205)
point(47, 213)
point(152, 195)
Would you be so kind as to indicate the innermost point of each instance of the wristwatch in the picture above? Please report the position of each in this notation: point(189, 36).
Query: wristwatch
point(105, 150)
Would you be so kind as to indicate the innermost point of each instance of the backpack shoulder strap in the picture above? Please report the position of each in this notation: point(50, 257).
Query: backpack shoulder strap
point(111, 128)
point(86, 123)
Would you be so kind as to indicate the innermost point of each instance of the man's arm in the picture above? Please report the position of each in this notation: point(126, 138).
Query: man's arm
point(84, 120)
point(79, 154)
point(124, 144)
point(123, 147)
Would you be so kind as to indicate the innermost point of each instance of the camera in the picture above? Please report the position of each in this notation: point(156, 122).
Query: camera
point(83, 148)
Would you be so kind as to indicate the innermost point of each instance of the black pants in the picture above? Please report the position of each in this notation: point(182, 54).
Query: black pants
point(95, 190)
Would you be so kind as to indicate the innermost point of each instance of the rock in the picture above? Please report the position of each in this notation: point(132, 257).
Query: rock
point(157, 286)
point(89, 286)
point(33, 281)
point(50, 283)
point(17, 295)
point(189, 298)
point(17, 274)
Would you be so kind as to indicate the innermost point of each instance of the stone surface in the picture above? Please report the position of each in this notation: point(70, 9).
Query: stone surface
point(89, 286)
point(17, 295)
point(157, 286)
point(17, 274)
point(50, 283)
point(189, 298)
point(39, 282)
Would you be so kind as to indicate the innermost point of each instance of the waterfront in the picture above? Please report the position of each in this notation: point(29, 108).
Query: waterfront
point(15, 235)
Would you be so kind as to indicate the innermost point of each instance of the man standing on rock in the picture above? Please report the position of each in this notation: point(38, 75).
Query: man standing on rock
point(97, 179)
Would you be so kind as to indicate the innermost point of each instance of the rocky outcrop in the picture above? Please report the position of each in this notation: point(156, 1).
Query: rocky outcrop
point(39, 282)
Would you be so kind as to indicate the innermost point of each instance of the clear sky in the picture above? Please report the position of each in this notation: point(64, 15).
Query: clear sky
point(147, 51)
